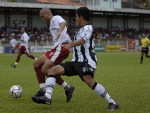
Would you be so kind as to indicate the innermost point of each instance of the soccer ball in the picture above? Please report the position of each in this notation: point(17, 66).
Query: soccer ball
point(16, 91)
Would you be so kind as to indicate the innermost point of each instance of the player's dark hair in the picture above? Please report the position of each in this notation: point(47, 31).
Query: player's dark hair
point(83, 11)
point(21, 28)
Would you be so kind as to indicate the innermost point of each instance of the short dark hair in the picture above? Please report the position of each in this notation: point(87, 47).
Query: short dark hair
point(23, 28)
point(83, 11)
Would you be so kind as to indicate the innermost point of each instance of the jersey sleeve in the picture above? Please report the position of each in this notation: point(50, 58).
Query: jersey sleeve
point(55, 22)
point(87, 32)
point(60, 19)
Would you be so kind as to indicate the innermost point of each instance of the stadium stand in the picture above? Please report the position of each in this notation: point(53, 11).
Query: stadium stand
point(110, 23)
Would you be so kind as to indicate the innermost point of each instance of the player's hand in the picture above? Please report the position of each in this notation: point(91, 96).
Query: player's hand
point(67, 46)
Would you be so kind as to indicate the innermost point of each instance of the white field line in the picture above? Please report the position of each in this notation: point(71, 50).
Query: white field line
point(8, 67)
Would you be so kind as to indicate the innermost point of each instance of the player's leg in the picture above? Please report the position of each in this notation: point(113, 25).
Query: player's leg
point(68, 88)
point(98, 88)
point(50, 84)
point(31, 56)
point(40, 76)
point(18, 57)
point(51, 80)
point(87, 76)
point(57, 55)
point(13, 50)
point(17, 60)
point(142, 55)
point(41, 68)
point(146, 53)
point(26, 50)
point(47, 65)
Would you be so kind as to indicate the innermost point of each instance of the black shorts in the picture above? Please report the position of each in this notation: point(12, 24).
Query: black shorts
point(78, 68)
point(145, 50)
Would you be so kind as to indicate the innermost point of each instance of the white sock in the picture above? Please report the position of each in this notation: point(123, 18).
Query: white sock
point(50, 84)
point(102, 92)
point(65, 85)
point(16, 63)
point(42, 86)
point(109, 99)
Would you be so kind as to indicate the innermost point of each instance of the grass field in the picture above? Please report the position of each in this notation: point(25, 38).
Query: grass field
point(127, 81)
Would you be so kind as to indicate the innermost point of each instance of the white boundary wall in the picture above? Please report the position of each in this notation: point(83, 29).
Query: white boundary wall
point(1, 50)
point(40, 49)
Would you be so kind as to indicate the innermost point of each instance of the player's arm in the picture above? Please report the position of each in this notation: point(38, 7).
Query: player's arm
point(22, 40)
point(62, 26)
point(148, 43)
point(76, 43)
point(140, 41)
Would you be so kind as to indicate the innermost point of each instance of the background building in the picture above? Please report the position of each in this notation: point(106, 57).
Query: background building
point(108, 17)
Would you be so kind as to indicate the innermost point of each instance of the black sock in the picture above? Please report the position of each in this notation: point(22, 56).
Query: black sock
point(148, 56)
point(141, 59)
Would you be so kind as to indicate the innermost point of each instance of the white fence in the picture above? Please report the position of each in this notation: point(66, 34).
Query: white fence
point(101, 45)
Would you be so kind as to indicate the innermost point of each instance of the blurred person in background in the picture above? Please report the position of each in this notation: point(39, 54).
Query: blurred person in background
point(24, 47)
point(13, 43)
point(145, 42)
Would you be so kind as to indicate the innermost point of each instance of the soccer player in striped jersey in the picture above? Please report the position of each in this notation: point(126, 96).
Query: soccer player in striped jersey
point(56, 55)
point(145, 42)
point(83, 62)
point(23, 47)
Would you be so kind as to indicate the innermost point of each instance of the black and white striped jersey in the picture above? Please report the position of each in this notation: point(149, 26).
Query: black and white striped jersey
point(85, 52)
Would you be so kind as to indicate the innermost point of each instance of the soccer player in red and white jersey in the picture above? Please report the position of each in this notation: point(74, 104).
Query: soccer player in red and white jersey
point(56, 55)
point(13, 42)
point(23, 47)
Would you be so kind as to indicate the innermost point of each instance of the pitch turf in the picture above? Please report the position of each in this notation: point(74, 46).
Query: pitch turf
point(121, 73)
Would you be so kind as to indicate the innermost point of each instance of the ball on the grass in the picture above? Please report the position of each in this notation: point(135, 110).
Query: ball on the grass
point(16, 91)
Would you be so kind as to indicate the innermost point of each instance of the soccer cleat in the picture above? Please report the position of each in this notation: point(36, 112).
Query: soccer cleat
point(38, 94)
point(112, 107)
point(43, 100)
point(69, 93)
point(13, 65)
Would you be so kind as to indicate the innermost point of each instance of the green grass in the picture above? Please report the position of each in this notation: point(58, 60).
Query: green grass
point(127, 81)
